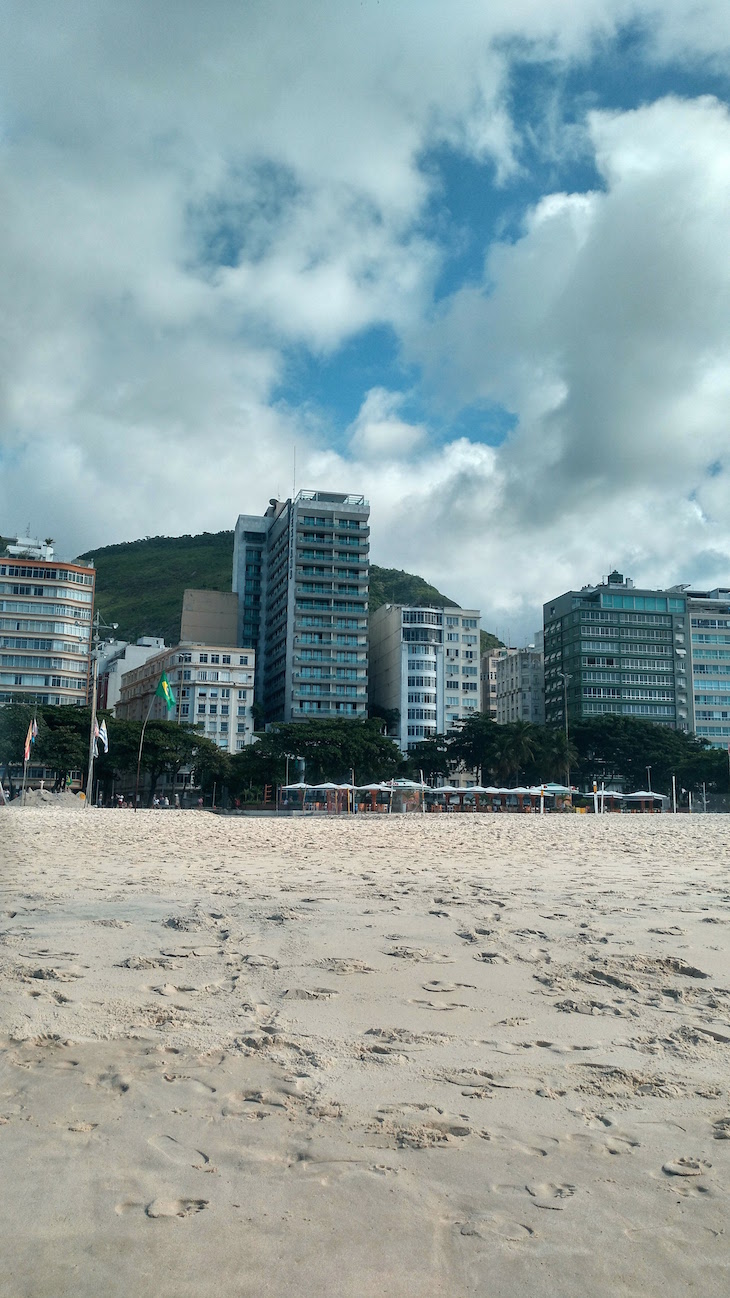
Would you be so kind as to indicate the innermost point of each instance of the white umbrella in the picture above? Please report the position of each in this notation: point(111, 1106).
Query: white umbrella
point(286, 788)
point(645, 795)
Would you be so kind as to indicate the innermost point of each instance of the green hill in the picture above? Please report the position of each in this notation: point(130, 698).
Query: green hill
point(140, 584)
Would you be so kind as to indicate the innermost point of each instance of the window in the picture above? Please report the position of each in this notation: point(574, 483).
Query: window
point(225, 694)
point(226, 658)
point(452, 635)
point(224, 727)
point(213, 709)
point(201, 709)
point(185, 658)
point(243, 660)
point(215, 658)
point(184, 709)
point(203, 658)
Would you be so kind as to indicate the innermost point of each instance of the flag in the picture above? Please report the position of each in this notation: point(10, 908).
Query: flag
point(96, 737)
point(30, 738)
point(104, 736)
point(164, 691)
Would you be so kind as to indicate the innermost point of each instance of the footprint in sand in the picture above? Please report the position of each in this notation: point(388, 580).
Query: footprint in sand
point(494, 1225)
point(686, 1167)
point(721, 1129)
point(178, 1153)
point(435, 985)
point(338, 965)
point(309, 993)
point(175, 1207)
point(547, 1195)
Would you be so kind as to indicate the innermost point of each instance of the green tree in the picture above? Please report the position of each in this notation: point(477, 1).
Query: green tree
point(333, 748)
point(14, 721)
point(432, 756)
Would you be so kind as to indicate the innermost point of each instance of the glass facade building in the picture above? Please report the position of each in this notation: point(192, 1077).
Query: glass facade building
point(613, 648)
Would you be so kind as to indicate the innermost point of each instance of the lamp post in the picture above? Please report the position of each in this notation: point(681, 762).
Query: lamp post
point(565, 678)
point(97, 625)
point(648, 779)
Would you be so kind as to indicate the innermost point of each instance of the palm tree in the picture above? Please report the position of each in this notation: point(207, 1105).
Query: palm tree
point(517, 744)
point(555, 754)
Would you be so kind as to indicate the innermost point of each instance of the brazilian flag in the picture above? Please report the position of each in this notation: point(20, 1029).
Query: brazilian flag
point(164, 691)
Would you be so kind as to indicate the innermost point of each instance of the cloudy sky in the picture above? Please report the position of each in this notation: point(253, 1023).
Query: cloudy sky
point(468, 257)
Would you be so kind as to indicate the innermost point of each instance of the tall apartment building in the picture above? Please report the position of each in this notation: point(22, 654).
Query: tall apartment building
point(301, 573)
point(520, 681)
point(615, 648)
point(488, 676)
point(213, 686)
point(709, 627)
point(424, 663)
point(45, 625)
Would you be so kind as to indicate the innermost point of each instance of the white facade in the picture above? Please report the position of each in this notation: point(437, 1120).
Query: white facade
point(213, 686)
point(424, 663)
point(117, 657)
point(488, 674)
point(45, 625)
point(708, 614)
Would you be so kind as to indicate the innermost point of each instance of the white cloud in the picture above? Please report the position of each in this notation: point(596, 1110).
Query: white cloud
point(188, 192)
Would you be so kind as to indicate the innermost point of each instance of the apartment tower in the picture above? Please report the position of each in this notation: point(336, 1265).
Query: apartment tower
point(301, 576)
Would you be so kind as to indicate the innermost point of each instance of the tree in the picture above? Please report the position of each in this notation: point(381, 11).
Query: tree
point(333, 748)
point(475, 743)
point(14, 721)
point(432, 756)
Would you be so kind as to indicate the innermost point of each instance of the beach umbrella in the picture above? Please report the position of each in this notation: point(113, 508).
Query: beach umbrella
point(645, 795)
point(286, 788)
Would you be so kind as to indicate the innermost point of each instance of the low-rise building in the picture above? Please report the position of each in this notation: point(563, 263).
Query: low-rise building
point(213, 687)
point(424, 665)
point(117, 657)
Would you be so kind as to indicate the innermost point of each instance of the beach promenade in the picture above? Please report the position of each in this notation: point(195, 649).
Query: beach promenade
point(421, 1057)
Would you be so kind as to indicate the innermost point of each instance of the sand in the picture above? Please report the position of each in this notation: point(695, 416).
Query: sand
point(421, 1057)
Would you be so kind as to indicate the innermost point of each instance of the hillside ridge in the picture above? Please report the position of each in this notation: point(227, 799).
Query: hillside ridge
point(140, 584)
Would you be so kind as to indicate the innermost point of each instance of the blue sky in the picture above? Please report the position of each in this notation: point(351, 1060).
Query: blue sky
point(469, 261)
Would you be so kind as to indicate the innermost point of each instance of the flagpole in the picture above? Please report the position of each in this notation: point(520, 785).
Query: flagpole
point(139, 754)
point(92, 737)
point(97, 625)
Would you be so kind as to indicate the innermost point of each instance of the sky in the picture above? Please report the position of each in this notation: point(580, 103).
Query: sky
point(469, 259)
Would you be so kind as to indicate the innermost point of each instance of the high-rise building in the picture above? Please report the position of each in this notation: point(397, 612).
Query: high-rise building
point(709, 640)
point(615, 648)
point(45, 625)
point(424, 665)
point(488, 675)
point(520, 681)
point(301, 574)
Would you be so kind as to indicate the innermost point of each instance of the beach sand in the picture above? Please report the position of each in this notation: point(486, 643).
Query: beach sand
point(421, 1057)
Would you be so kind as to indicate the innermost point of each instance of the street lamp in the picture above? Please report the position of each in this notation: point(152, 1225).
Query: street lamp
point(648, 779)
point(565, 678)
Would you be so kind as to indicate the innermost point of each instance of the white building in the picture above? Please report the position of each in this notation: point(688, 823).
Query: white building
point(708, 613)
point(213, 686)
point(45, 625)
point(424, 664)
point(117, 657)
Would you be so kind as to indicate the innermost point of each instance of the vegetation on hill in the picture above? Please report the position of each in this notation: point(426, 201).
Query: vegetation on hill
point(140, 584)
